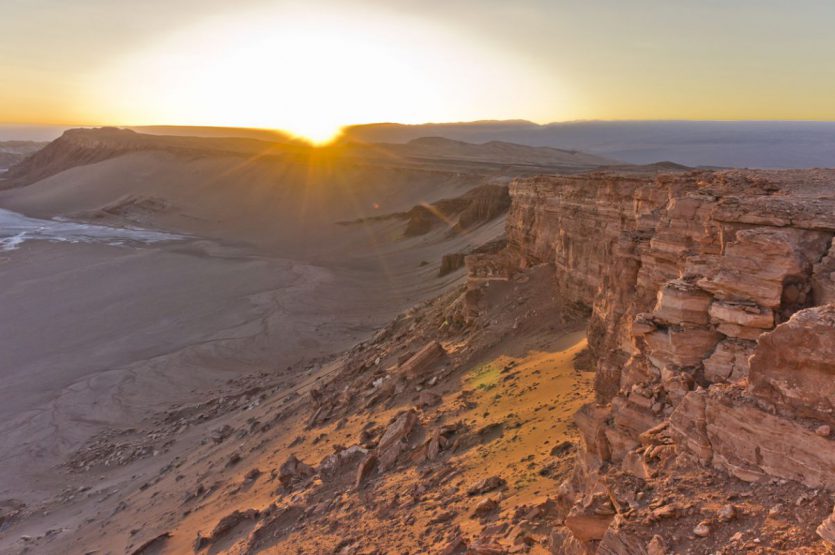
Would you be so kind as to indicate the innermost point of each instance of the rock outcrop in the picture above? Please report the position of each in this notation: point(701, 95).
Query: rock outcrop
point(473, 208)
point(711, 320)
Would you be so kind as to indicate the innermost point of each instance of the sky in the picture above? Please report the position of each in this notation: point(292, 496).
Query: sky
point(312, 66)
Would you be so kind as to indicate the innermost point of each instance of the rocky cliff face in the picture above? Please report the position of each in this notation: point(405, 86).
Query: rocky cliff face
point(711, 319)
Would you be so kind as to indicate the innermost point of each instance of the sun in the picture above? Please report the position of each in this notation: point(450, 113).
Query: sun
point(317, 134)
point(309, 73)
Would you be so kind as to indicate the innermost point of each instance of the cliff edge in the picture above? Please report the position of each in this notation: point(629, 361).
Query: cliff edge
point(712, 326)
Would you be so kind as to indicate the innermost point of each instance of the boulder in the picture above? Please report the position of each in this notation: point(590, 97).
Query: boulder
point(422, 362)
point(562, 542)
point(294, 471)
point(619, 539)
point(341, 462)
point(393, 441)
point(486, 485)
point(793, 367)
point(365, 468)
point(428, 399)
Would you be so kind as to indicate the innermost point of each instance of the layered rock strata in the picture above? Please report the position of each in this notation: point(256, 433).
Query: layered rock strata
point(711, 319)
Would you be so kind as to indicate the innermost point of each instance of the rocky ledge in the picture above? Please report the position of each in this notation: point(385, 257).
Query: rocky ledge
point(712, 323)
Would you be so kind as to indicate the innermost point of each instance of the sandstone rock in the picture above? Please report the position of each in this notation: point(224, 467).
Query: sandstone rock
point(757, 264)
point(729, 362)
point(485, 507)
point(823, 278)
point(632, 418)
point(683, 273)
point(153, 545)
point(643, 324)
point(702, 530)
point(620, 540)
point(436, 442)
point(657, 546)
point(676, 383)
point(680, 346)
point(393, 441)
point(741, 314)
point(689, 426)
point(486, 548)
point(344, 460)
point(633, 463)
point(486, 485)
point(562, 542)
point(752, 444)
point(223, 527)
point(823, 430)
point(591, 515)
point(423, 361)
point(456, 546)
point(826, 530)
point(680, 302)
point(587, 526)
point(591, 421)
point(428, 399)
point(294, 471)
point(793, 367)
point(726, 513)
point(365, 468)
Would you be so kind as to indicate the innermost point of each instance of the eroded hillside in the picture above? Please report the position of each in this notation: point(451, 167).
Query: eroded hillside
point(699, 419)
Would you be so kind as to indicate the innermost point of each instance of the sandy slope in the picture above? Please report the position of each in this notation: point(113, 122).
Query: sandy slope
point(93, 335)
point(508, 388)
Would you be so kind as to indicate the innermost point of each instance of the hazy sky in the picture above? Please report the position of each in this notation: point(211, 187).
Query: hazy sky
point(313, 65)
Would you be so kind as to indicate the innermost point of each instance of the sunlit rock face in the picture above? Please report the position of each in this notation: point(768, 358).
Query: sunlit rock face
point(711, 318)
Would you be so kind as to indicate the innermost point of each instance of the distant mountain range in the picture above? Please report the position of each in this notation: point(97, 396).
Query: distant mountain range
point(755, 144)
point(78, 147)
point(765, 144)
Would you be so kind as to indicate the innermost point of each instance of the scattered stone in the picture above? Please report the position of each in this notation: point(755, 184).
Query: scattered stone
point(485, 507)
point(294, 471)
point(365, 468)
point(456, 546)
point(393, 441)
point(823, 430)
point(487, 485)
point(490, 548)
point(152, 545)
point(428, 399)
point(702, 530)
point(562, 448)
point(726, 513)
point(423, 361)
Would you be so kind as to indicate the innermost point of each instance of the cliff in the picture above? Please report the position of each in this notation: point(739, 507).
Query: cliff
point(711, 322)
